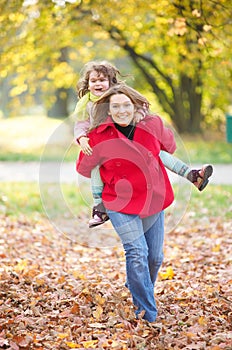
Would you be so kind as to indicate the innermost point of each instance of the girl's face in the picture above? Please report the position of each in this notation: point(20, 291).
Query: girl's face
point(121, 109)
point(98, 83)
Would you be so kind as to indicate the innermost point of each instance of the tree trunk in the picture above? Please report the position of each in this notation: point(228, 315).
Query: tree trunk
point(5, 98)
point(182, 103)
point(187, 105)
point(60, 107)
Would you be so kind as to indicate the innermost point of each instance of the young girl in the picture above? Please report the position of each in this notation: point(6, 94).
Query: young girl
point(97, 78)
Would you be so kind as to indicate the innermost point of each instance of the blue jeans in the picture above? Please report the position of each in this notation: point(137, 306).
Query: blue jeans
point(142, 240)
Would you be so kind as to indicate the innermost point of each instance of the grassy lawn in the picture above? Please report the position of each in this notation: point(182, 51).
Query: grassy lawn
point(25, 198)
point(18, 199)
point(30, 138)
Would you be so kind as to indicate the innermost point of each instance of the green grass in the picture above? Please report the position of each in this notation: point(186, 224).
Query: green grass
point(30, 138)
point(215, 201)
point(31, 200)
point(18, 199)
point(211, 151)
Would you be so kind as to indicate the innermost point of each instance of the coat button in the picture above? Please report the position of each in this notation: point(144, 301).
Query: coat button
point(148, 186)
point(150, 154)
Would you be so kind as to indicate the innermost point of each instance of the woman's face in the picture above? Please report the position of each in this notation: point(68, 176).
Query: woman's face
point(121, 109)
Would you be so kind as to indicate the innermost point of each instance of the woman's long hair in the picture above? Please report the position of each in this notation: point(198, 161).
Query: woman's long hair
point(101, 108)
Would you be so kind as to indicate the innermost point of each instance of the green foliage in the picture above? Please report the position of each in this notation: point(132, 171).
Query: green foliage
point(181, 51)
point(171, 44)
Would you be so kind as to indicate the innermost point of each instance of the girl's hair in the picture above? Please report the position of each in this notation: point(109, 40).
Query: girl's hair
point(102, 67)
point(101, 107)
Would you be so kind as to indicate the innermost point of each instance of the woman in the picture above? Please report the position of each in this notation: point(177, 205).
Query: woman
point(136, 185)
point(97, 78)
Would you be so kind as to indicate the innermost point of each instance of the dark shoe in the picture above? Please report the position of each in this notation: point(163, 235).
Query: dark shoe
point(99, 216)
point(200, 178)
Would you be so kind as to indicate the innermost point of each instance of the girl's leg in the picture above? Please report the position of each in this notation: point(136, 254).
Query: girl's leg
point(96, 186)
point(199, 177)
point(174, 164)
point(131, 232)
point(99, 215)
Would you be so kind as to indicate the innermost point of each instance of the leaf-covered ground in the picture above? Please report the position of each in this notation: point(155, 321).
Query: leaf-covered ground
point(56, 294)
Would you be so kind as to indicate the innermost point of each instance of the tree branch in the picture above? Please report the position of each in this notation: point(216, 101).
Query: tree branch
point(117, 36)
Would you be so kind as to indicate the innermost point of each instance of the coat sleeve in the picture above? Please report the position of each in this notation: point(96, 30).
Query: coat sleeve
point(165, 136)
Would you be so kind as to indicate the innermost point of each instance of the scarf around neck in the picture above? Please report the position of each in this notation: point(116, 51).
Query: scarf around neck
point(80, 111)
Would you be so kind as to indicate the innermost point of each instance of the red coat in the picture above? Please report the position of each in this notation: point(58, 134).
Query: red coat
point(134, 177)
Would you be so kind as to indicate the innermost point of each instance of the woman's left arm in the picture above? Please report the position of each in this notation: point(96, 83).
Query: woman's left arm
point(165, 136)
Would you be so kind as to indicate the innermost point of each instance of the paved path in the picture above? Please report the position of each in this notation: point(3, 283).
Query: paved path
point(65, 172)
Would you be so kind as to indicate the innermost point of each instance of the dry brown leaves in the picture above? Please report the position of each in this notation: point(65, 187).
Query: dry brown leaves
point(55, 294)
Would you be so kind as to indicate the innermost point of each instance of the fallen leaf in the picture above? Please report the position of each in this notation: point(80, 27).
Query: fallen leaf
point(89, 344)
point(97, 314)
point(168, 274)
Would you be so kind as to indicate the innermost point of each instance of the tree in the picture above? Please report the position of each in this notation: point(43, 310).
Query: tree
point(43, 49)
point(177, 48)
point(171, 45)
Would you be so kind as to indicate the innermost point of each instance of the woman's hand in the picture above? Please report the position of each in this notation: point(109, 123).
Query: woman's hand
point(85, 147)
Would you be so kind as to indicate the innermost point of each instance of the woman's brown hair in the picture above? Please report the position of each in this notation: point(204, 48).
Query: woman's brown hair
point(101, 107)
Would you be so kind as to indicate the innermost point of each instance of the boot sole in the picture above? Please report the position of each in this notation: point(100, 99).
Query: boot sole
point(98, 223)
point(208, 172)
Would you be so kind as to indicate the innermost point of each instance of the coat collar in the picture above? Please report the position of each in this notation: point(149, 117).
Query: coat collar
point(108, 123)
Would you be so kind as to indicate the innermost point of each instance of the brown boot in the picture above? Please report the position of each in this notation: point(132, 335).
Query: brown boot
point(99, 215)
point(200, 178)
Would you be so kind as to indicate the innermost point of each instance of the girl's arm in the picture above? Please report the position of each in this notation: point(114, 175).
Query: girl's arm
point(81, 129)
point(80, 135)
point(85, 164)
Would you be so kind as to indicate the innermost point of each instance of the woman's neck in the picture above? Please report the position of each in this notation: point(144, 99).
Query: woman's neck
point(127, 131)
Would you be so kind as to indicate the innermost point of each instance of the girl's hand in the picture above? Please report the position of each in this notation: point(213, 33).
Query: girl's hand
point(139, 116)
point(85, 147)
point(140, 113)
